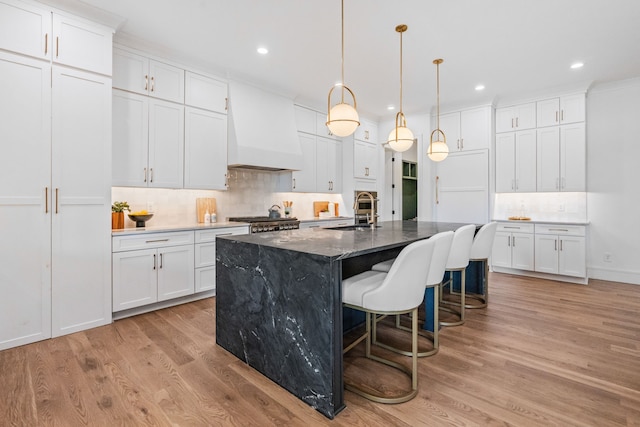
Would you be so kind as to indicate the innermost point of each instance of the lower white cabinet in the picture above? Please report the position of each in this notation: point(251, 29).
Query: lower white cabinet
point(561, 249)
point(513, 246)
point(205, 255)
point(326, 223)
point(152, 267)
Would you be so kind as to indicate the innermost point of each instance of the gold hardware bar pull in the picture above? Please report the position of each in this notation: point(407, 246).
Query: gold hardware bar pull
point(57, 49)
point(437, 199)
point(151, 169)
point(46, 43)
point(153, 83)
point(160, 260)
point(56, 200)
point(154, 261)
point(226, 104)
point(157, 241)
point(46, 199)
point(146, 81)
point(145, 174)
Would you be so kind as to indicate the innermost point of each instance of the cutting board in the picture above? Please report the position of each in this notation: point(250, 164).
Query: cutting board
point(320, 206)
point(202, 205)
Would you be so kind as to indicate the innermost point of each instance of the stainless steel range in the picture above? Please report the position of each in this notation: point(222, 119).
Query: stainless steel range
point(262, 224)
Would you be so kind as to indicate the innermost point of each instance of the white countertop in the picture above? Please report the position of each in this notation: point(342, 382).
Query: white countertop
point(534, 221)
point(176, 227)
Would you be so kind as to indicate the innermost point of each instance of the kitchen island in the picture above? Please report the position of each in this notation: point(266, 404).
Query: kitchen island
point(279, 303)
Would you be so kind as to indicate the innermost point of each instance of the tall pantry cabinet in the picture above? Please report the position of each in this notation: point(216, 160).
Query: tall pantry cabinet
point(55, 165)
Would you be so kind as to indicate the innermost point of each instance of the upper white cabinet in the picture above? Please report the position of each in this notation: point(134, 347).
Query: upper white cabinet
point(80, 44)
point(206, 93)
point(25, 29)
point(321, 127)
point(304, 180)
point(516, 117)
point(136, 73)
point(562, 158)
point(148, 143)
point(365, 160)
point(205, 149)
point(64, 39)
point(305, 120)
point(328, 166)
point(516, 161)
point(367, 131)
point(562, 110)
point(468, 129)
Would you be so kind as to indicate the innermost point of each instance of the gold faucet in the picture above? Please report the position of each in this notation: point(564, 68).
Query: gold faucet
point(371, 218)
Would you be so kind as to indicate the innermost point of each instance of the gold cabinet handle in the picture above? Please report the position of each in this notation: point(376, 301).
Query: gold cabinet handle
point(556, 117)
point(46, 43)
point(153, 83)
point(146, 82)
point(437, 182)
point(294, 183)
point(46, 199)
point(57, 47)
point(160, 260)
point(226, 104)
point(366, 135)
point(562, 119)
point(517, 125)
point(145, 174)
point(154, 261)
point(151, 175)
point(56, 200)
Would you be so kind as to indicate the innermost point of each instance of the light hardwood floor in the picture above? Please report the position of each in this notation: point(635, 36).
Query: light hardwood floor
point(542, 353)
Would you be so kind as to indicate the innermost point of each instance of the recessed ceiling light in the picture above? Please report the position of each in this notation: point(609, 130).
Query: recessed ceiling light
point(577, 65)
point(480, 87)
point(391, 107)
point(263, 50)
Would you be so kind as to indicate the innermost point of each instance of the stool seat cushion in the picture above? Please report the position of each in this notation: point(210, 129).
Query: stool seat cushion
point(356, 286)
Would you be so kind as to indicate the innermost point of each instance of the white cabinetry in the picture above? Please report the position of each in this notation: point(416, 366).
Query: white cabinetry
point(516, 161)
point(148, 143)
point(365, 160)
point(205, 149)
point(513, 246)
point(55, 159)
point(152, 267)
point(561, 249)
point(328, 166)
point(367, 131)
point(139, 74)
point(304, 180)
point(205, 255)
point(562, 158)
point(562, 110)
point(206, 93)
point(468, 129)
point(516, 117)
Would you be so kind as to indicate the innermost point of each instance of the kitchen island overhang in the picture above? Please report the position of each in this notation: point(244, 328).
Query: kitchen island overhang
point(279, 302)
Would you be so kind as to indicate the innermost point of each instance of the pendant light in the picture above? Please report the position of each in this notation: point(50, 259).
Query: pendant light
point(342, 119)
point(438, 149)
point(401, 137)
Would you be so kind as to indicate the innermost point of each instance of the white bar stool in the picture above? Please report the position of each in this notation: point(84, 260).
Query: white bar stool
point(458, 261)
point(442, 242)
point(481, 251)
point(399, 291)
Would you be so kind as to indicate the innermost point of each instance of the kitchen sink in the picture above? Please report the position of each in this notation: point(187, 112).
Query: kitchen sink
point(353, 228)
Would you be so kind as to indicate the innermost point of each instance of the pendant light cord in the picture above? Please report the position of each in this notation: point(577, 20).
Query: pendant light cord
point(438, 94)
point(342, 63)
point(401, 71)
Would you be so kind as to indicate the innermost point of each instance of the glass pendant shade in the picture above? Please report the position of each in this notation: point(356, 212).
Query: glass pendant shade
point(438, 151)
point(343, 118)
point(400, 139)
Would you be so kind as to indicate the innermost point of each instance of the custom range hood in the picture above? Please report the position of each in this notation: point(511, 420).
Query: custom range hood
point(262, 130)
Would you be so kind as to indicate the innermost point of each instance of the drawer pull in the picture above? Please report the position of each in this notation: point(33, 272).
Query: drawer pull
point(559, 229)
point(512, 226)
point(157, 241)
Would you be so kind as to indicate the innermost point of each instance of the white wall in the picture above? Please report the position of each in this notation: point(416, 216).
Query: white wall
point(613, 180)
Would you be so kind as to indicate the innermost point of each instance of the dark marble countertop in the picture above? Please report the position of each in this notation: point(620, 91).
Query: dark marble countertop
point(340, 244)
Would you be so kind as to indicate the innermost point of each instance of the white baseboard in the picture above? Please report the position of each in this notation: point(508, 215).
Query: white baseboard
point(615, 275)
point(162, 304)
point(557, 277)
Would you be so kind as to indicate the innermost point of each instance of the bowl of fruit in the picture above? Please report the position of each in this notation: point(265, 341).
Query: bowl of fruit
point(140, 217)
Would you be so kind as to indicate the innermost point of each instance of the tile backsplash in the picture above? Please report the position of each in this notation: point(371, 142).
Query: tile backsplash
point(557, 207)
point(250, 193)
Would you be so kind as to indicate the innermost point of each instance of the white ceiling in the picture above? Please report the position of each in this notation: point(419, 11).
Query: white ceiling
point(516, 48)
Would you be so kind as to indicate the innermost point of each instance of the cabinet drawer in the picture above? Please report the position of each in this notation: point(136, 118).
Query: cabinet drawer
point(210, 235)
point(515, 227)
point(153, 240)
point(560, 229)
point(205, 254)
